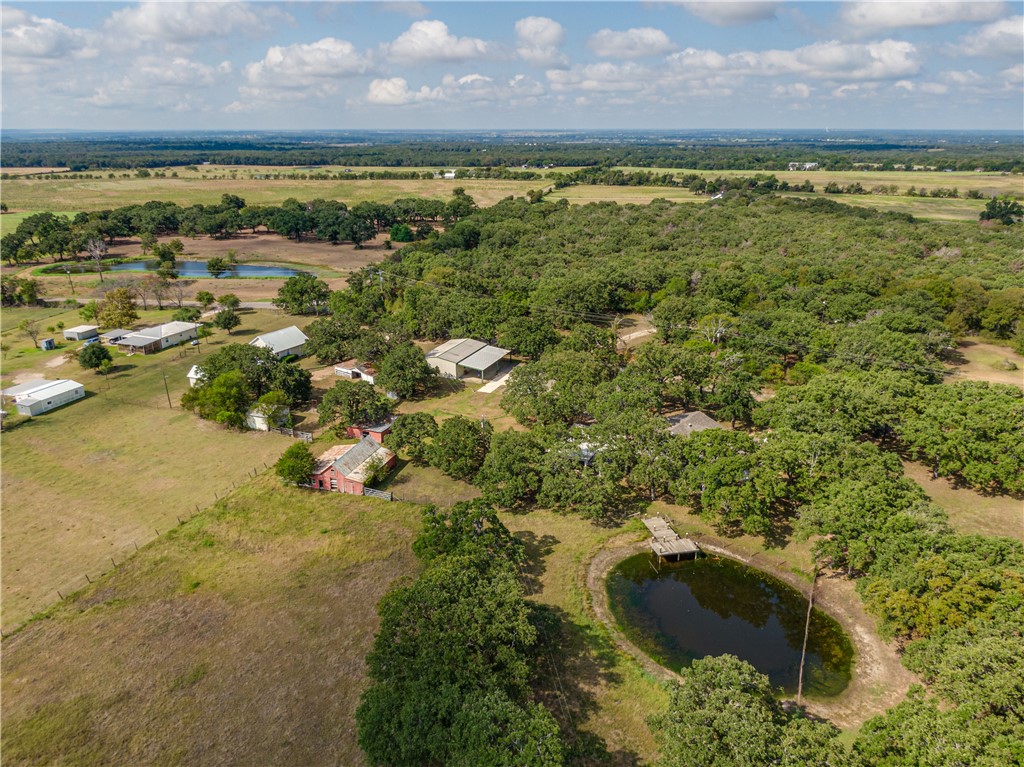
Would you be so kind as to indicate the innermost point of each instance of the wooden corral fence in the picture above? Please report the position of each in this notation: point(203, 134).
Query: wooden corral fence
point(305, 436)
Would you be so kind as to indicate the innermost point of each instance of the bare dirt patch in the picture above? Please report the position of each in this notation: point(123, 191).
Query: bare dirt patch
point(983, 361)
point(879, 680)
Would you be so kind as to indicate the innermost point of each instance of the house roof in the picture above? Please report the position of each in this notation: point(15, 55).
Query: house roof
point(157, 332)
point(352, 461)
point(353, 364)
point(195, 372)
point(685, 424)
point(81, 328)
point(114, 334)
point(281, 340)
point(138, 339)
point(40, 389)
point(171, 328)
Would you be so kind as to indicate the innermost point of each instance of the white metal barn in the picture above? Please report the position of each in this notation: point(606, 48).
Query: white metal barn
point(456, 358)
point(81, 332)
point(281, 343)
point(40, 396)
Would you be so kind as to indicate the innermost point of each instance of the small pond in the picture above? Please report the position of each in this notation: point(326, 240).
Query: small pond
point(183, 268)
point(714, 606)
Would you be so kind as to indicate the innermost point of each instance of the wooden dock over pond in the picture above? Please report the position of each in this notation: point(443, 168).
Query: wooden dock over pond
point(666, 542)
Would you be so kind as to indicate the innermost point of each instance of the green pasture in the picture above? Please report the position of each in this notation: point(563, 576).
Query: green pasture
point(93, 479)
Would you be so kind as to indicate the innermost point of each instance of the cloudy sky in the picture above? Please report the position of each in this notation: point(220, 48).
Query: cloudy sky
point(482, 65)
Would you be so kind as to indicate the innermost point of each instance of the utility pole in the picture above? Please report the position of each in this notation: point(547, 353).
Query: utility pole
point(168, 392)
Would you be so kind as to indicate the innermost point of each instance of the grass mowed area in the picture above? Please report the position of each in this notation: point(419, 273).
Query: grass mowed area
point(236, 638)
point(969, 511)
point(93, 479)
point(601, 695)
point(463, 398)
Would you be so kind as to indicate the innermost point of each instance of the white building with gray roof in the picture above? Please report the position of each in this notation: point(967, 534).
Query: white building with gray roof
point(461, 356)
point(282, 343)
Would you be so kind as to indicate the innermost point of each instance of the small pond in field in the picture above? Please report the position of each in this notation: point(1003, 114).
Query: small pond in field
point(713, 606)
point(198, 269)
point(183, 268)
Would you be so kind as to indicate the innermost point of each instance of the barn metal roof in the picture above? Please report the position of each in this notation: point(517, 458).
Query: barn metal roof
point(484, 358)
point(456, 350)
point(281, 340)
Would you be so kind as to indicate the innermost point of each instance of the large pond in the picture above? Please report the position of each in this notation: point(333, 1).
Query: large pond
point(184, 269)
point(713, 606)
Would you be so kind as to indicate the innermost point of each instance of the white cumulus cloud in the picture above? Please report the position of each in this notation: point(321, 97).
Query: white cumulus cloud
point(631, 44)
point(831, 60)
point(473, 88)
point(538, 41)
point(294, 72)
point(427, 41)
point(155, 81)
point(873, 15)
point(729, 13)
point(394, 91)
point(191, 22)
point(1001, 38)
point(29, 42)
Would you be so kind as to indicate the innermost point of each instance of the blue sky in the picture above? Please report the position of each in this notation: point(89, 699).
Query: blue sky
point(493, 65)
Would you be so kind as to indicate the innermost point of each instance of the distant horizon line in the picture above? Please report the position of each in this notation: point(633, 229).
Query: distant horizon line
point(634, 131)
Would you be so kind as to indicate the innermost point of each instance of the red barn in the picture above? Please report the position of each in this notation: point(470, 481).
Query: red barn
point(377, 432)
point(344, 468)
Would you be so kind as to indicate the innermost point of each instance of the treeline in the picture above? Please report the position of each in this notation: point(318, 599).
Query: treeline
point(708, 153)
point(53, 235)
point(607, 176)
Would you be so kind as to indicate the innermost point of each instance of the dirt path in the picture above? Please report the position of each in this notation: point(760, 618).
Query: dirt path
point(879, 679)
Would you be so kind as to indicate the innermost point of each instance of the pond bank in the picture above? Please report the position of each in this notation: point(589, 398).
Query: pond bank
point(879, 680)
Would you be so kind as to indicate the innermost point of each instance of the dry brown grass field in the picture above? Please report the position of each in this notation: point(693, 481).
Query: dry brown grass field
point(66, 194)
point(237, 638)
point(206, 184)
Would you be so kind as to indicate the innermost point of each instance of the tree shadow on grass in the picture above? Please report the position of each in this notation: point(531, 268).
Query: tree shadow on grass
point(537, 548)
point(575, 660)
